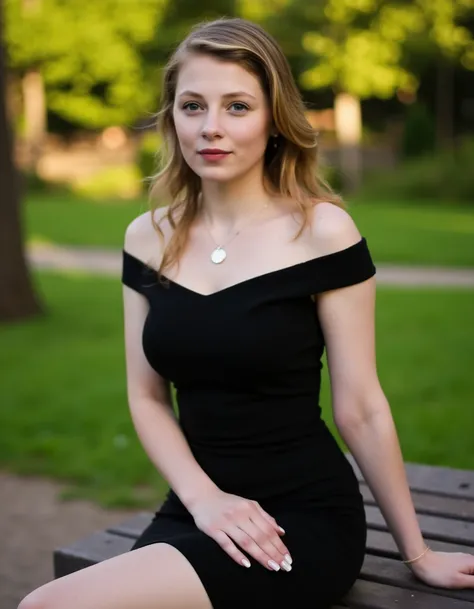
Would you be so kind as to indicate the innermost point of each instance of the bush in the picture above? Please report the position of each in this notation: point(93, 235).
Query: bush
point(445, 176)
point(419, 133)
point(113, 182)
point(333, 176)
point(31, 182)
point(147, 155)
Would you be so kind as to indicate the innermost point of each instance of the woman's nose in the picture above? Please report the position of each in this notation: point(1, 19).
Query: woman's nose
point(211, 126)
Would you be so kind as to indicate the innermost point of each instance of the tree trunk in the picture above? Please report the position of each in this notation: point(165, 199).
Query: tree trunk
point(17, 297)
point(347, 117)
point(35, 117)
point(34, 103)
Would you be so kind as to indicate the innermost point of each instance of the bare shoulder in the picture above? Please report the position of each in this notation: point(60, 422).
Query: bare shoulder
point(141, 237)
point(332, 229)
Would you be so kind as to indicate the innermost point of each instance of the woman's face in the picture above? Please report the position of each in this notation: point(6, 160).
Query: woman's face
point(220, 106)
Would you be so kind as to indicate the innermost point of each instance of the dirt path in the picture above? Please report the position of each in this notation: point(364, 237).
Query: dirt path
point(33, 522)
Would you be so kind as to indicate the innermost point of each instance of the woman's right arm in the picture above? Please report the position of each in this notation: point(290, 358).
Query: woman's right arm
point(149, 399)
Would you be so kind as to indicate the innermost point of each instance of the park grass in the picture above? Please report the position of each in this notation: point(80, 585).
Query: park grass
point(64, 412)
point(411, 233)
point(69, 220)
point(404, 233)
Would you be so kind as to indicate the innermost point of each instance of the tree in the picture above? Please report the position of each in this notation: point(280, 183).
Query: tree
point(18, 299)
point(34, 101)
point(448, 40)
point(359, 48)
point(88, 58)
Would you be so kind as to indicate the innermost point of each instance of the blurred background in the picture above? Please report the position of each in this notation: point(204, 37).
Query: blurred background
point(389, 85)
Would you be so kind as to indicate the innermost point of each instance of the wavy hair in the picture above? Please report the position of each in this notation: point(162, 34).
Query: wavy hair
point(290, 169)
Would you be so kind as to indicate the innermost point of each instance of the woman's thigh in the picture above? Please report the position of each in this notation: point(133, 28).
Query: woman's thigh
point(157, 576)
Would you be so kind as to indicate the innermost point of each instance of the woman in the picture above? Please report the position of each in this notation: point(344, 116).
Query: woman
point(259, 267)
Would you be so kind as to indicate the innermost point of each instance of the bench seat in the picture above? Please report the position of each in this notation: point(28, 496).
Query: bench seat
point(444, 502)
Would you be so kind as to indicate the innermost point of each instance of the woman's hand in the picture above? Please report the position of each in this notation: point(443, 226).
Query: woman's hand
point(229, 518)
point(445, 569)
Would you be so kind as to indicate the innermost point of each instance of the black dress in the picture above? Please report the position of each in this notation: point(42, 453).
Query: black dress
point(246, 365)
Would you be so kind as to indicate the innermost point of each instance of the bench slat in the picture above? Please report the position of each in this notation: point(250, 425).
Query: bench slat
point(434, 505)
point(373, 595)
point(443, 481)
point(381, 543)
point(132, 527)
point(433, 527)
point(88, 551)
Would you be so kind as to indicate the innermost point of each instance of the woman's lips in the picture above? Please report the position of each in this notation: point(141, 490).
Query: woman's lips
point(214, 156)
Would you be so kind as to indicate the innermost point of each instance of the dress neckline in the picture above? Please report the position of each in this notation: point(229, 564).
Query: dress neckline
point(281, 271)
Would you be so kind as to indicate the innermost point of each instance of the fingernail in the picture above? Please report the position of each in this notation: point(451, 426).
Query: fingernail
point(282, 530)
point(246, 562)
point(273, 565)
point(288, 559)
point(286, 566)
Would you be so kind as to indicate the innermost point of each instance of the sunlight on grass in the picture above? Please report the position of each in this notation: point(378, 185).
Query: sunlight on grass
point(73, 221)
point(39, 240)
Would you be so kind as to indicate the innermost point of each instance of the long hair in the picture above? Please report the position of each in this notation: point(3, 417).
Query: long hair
point(290, 169)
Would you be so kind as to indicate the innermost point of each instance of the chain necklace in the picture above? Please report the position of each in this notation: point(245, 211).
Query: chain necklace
point(219, 254)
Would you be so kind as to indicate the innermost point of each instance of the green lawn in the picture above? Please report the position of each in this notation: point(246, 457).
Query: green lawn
point(64, 412)
point(403, 233)
point(68, 220)
point(417, 234)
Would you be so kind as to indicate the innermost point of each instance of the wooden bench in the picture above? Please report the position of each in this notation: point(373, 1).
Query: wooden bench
point(444, 501)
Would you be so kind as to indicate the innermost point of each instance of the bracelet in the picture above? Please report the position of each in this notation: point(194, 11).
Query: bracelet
point(408, 562)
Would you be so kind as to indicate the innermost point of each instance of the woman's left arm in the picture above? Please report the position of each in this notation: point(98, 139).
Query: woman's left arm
point(364, 420)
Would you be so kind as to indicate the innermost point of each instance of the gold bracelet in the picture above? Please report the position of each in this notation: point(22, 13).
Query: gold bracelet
point(408, 562)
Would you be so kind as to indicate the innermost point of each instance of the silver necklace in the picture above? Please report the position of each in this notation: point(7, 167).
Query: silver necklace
point(219, 254)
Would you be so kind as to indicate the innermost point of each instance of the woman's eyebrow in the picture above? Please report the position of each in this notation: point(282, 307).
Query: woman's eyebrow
point(225, 96)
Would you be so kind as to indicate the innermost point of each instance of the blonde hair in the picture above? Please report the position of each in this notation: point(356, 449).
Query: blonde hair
point(290, 169)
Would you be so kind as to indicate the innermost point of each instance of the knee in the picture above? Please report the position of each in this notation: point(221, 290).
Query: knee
point(34, 600)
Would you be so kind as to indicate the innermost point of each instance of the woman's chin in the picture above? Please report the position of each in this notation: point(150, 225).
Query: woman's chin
point(216, 175)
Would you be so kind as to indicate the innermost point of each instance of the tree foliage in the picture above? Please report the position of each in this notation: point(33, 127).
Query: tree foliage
point(363, 46)
point(100, 60)
point(89, 55)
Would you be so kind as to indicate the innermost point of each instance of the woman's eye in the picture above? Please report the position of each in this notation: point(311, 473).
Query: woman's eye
point(188, 106)
point(243, 107)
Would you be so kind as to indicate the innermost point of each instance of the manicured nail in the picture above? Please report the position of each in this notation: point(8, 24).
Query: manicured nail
point(246, 562)
point(288, 559)
point(286, 566)
point(273, 565)
point(282, 529)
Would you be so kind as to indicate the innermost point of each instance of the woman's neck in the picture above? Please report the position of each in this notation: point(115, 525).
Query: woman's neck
point(226, 204)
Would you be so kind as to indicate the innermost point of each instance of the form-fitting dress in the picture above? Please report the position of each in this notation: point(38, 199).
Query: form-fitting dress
point(246, 365)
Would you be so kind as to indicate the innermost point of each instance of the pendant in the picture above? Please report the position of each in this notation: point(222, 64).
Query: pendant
point(218, 255)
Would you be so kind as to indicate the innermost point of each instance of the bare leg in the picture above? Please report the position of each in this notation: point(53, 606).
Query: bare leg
point(154, 577)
